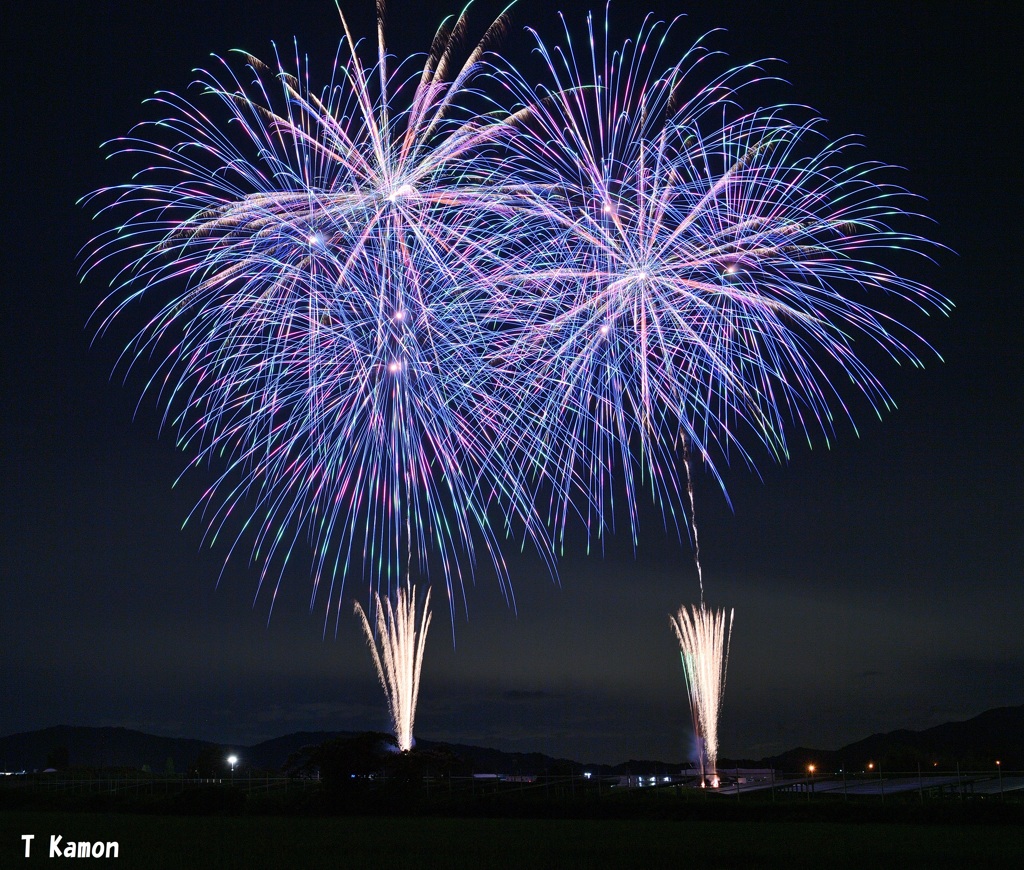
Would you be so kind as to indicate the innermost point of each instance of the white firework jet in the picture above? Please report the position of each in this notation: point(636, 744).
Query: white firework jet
point(704, 648)
point(399, 659)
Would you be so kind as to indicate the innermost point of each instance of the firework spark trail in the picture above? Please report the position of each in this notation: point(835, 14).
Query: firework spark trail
point(704, 648)
point(399, 659)
point(323, 260)
point(693, 520)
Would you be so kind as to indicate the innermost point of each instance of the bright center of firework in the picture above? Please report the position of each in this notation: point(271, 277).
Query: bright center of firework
point(634, 277)
point(400, 191)
point(394, 367)
point(316, 239)
point(605, 329)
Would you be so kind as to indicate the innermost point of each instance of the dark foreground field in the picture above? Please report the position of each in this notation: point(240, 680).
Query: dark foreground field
point(353, 841)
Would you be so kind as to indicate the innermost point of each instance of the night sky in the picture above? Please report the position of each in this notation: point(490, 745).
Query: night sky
point(877, 585)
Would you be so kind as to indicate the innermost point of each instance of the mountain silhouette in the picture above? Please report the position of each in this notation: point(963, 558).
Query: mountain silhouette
point(974, 744)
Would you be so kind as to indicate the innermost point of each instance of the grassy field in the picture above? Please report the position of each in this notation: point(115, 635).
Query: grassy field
point(352, 841)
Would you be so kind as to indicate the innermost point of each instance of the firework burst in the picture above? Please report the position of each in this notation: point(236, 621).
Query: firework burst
point(318, 261)
point(703, 279)
point(422, 308)
point(700, 278)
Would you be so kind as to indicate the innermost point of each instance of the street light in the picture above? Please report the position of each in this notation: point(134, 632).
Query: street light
point(232, 760)
point(999, 768)
point(810, 770)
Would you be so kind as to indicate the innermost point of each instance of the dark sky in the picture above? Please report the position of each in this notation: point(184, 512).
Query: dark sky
point(877, 585)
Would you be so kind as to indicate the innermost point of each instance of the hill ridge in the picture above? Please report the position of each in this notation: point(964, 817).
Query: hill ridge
point(976, 742)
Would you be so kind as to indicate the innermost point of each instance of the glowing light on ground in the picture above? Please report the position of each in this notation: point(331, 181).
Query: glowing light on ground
point(397, 649)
